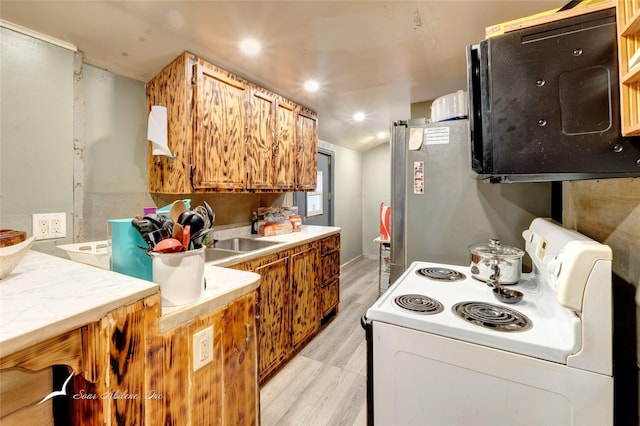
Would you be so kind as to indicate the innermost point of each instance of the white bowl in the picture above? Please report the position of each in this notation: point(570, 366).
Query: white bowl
point(12, 255)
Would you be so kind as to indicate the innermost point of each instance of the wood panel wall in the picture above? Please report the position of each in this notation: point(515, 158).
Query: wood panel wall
point(608, 211)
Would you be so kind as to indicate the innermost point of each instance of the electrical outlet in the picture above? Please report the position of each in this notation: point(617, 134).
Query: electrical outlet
point(43, 226)
point(56, 225)
point(49, 225)
point(202, 348)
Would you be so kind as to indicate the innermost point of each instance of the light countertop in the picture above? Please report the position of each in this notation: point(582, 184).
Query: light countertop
point(46, 296)
point(223, 286)
point(308, 233)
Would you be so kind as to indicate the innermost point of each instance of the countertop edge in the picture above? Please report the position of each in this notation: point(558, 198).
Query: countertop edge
point(295, 239)
point(216, 299)
point(64, 325)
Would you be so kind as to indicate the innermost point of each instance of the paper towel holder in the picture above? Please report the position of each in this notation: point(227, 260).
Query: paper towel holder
point(157, 133)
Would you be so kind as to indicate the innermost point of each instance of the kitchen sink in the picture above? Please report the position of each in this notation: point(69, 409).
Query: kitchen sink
point(212, 254)
point(243, 244)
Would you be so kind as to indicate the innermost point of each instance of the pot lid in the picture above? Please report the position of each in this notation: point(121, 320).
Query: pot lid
point(494, 248)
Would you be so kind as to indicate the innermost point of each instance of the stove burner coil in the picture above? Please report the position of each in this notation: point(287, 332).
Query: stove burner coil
point(419, 304)
point(491, 316)
point(441, 274)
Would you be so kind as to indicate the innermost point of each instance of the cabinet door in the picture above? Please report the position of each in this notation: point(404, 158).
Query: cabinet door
point(307, 151)
point(240, 386)
point(218, 130)
point(172, 88)
point(261, 146)
point(273, 330)
point(305, 277)
point(285, 155)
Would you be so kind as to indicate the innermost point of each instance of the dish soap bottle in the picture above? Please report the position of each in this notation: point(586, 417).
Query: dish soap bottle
point(254, 223)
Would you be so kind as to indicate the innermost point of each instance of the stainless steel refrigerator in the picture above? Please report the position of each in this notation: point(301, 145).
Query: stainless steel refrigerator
point(438, 204)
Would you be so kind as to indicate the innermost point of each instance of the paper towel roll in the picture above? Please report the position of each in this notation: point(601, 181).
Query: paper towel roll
point(157, 131)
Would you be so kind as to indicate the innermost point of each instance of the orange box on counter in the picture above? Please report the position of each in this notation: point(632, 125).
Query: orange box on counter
point(269, 229)
point(296, 222)
point(385, 222)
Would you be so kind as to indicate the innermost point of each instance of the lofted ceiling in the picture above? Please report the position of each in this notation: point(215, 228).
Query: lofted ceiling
point(375, 57)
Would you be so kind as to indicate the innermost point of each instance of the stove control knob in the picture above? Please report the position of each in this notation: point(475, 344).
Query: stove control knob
point(555, 266)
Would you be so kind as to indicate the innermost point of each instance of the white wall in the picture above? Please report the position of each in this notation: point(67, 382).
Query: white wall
point(46, 108)
point(347, 199)
point(376, 189)
point(115, 156)
point(43, 111)
point(36, 131)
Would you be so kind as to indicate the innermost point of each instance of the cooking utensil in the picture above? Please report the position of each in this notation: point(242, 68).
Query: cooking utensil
point(186, 237)
point(508, 258)
point(177, 208)
point(203, 212)
point(210, 213)
point(503, 294)
point(177, 231)
point(168, 225)
point(507, 295)
point(192, 219)
point(197, 238)
point(144, 228)
point(158, 235)
point(155, 220)
point(168, 245)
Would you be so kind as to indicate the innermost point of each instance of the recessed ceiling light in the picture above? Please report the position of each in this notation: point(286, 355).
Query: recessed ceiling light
point(250, 46)
point(382, 135)
point(311, 86)
point(358, 116)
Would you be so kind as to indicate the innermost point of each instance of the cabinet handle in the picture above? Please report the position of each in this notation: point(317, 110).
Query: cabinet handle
point(248, 339)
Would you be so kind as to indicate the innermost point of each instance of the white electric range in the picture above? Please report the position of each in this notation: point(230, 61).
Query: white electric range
point(443, 351)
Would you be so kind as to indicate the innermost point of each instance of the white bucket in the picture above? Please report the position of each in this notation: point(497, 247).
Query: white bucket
point(180, 275)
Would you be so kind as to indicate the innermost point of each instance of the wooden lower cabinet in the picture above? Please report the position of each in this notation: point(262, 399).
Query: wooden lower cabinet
point(305, 276)
point(290, 301)
point(330, 281)
point(240, 398)
point(223, 392)
point(272, 315)
point(132, 374)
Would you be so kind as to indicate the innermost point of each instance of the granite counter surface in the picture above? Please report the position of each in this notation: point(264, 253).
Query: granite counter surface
point(46, 296)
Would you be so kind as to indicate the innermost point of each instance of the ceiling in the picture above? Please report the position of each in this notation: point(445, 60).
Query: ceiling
point(375, 57)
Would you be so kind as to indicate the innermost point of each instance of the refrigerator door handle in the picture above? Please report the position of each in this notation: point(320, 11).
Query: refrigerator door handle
point(398, 147)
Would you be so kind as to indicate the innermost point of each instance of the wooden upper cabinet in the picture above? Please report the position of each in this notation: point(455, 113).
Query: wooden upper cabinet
point(218, 142)
point(172, 88)
point(628, 20)
point(271, 148)
point(227, 134)
point(307, 150)
point(261, 146)
point(285, 155)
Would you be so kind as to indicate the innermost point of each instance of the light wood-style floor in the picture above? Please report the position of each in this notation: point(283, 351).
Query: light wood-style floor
point(325, 384)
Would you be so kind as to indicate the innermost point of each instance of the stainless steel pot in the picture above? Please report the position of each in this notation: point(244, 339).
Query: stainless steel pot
point(495, 262)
